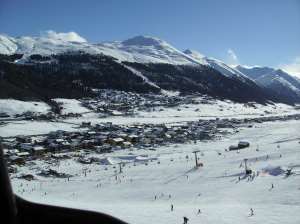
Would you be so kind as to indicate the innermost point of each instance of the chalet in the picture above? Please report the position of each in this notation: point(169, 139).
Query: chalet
point(145, 140)
point(91, 133)
point(23, 139)
point(116, 113)
point(65, 145)
point(54, 146)
point(100, 138)
point(87, 143)
point(60, 156)
point(115, 141)
point(126, 144)
point(13, 151)
point(158, 140)
point(23, 154)
point(59, 140)
point(26, 147)
point(75, 144)
point(167, 136)
point(85, 124)
point(103, 148)
point(38, 150)
point(132, 138)
point(17, 159)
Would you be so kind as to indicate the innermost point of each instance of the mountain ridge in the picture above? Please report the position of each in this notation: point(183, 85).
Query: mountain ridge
point(147, 62)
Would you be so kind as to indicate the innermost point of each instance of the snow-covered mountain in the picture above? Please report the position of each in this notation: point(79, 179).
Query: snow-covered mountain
point(144, 60)
point(141, 49)
point(274, 79)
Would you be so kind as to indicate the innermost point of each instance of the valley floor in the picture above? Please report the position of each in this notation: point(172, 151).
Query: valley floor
point(169, 176)
point(154, 115)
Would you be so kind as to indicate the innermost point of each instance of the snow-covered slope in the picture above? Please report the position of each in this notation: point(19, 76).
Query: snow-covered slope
point(215, 188)
point(141, 49)
point(217, 65)
point(145, 49)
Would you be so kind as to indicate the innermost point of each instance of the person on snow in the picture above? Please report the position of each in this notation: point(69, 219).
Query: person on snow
point(251, 212)
point(199, 211)
point(185, 220)
point(172, 207)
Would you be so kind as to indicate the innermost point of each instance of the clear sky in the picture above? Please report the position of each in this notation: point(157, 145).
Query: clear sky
point(250, 32)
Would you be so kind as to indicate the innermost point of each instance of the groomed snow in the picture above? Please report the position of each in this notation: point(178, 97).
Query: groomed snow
point(213, 188)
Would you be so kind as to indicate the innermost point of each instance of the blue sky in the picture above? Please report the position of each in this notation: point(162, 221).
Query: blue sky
point(254, 32)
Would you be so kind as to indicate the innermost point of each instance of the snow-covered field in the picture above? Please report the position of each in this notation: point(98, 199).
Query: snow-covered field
point(13, 107)
point(34, 128)
point(181, 113)
point(71, 106)
point(213, 188)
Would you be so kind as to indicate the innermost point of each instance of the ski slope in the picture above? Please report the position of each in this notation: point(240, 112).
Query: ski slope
point(213, 188)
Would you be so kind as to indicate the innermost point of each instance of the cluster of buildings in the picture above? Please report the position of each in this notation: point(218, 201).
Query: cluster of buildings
point(118, 103)
point(104, 138)
point(108, 137)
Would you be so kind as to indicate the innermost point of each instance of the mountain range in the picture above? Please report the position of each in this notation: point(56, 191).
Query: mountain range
point(53, 66)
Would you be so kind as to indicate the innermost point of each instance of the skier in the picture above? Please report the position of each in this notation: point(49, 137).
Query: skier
point(172, 207)
point(155, 197)
point(169, 196)
point(272, 186)
point(185, 220)
point(199, 211)
point(251, 212)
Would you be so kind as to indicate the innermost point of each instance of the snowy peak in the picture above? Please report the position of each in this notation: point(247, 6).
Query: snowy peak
point(68, 37)
point(257, 73)
point(218, 65)
point(194, 54)
point(254, 71)
point(200, 58)
point(275, 79)
point(144, 41)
